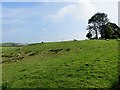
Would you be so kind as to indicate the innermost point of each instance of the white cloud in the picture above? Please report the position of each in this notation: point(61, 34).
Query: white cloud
point(62, 12)
point(76, 11)
point(83, 10)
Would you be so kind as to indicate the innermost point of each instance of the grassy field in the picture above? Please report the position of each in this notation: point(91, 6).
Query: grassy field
point(70, 64)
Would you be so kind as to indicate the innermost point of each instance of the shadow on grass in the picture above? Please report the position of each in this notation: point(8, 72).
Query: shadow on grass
point(115, 85)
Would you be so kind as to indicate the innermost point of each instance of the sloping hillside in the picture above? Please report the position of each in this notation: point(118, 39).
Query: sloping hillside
point(71, 64)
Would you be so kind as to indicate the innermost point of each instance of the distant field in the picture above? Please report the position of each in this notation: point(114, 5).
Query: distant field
point(71, 64)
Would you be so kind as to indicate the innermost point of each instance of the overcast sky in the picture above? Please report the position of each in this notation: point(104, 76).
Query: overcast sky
point(28, 22)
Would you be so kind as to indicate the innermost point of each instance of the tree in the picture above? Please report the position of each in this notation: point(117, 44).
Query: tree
point(95, 23)
point(105, 31)
point(110, 31)
point(115, 33)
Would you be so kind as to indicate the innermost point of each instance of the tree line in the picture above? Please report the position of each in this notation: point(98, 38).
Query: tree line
point(99, 24)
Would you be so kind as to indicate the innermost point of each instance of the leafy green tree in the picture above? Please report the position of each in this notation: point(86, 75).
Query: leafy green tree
point(110, 31)
point(95, 23)
point(115, 30)
point(105, 32)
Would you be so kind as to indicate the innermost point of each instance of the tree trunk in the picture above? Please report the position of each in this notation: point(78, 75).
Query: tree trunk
point(96, 34)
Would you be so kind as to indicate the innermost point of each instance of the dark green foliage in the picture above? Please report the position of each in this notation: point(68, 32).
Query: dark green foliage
point(11, 44)
point(99, 24)
point(89, 35)
point(115, 30)
point(95, 22)
point(110, 31)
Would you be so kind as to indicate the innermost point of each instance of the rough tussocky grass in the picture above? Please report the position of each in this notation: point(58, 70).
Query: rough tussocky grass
point(70, 64)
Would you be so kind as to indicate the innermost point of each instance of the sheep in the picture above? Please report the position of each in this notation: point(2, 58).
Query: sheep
point(107, 39)
point(19, 54)
point(118, 39)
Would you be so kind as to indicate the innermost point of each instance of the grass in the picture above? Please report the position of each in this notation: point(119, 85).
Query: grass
point(70, 64)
